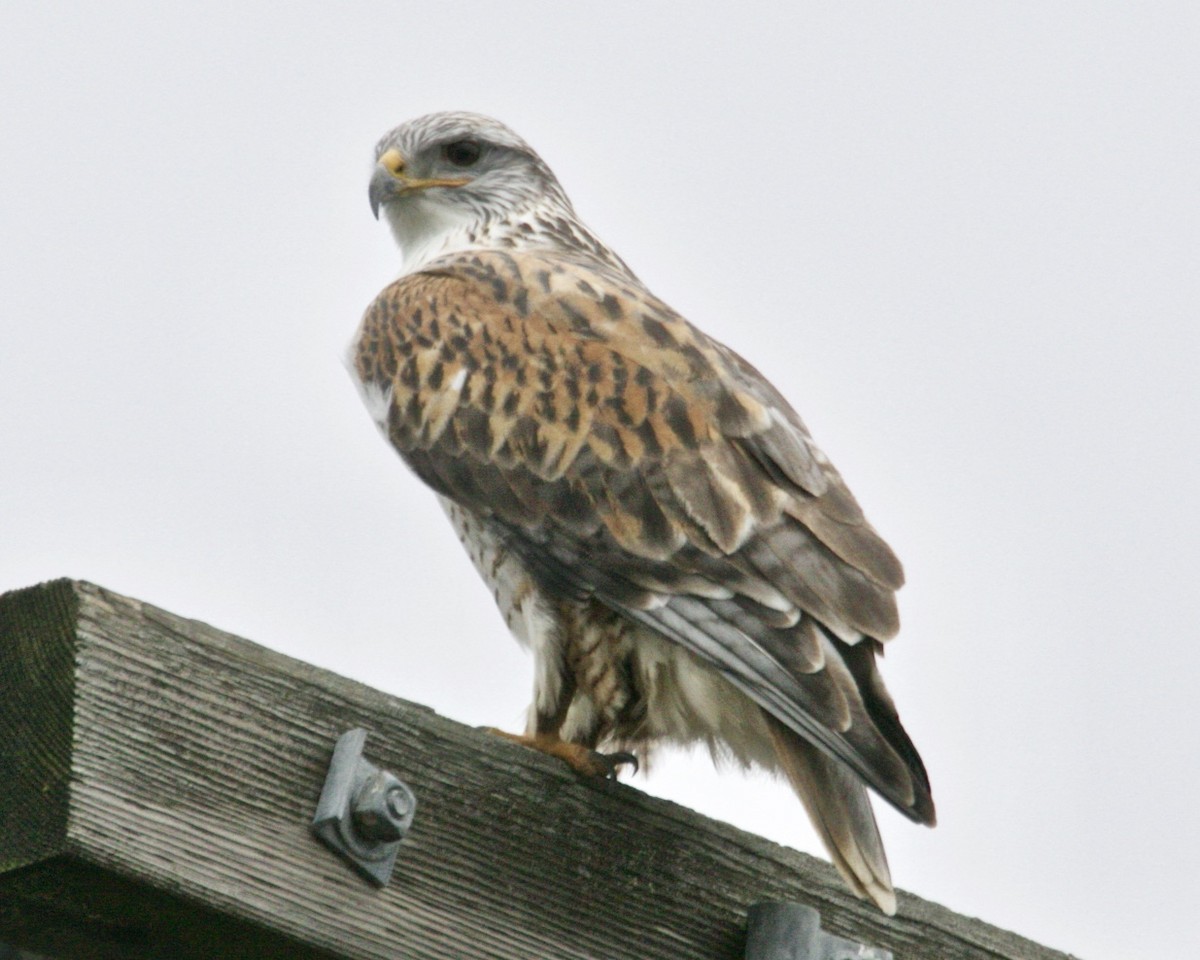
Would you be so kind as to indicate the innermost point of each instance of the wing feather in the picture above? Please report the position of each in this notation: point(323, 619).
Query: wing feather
point(625, 455)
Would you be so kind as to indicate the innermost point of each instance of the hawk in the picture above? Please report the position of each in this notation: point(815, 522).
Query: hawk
point(652, 517)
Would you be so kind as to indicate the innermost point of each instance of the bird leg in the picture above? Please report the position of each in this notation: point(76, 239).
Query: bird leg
point(580, 757)
point(591, 763)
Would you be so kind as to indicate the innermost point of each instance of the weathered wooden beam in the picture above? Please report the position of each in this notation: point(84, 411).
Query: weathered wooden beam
point(158, 777)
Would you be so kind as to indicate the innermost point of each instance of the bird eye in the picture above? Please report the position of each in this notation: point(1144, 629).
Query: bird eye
point(462, 153)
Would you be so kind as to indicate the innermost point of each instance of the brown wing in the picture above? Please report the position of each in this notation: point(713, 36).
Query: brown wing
point(626, 455)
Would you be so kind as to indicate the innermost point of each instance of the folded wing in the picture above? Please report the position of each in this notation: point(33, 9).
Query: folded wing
point(627, 456)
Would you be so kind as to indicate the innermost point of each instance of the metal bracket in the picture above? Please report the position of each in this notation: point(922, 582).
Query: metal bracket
point(792, 931)
point(364, 812)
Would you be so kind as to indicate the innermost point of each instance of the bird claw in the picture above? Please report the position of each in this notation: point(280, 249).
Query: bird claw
point(581, 759)
point(612, 762)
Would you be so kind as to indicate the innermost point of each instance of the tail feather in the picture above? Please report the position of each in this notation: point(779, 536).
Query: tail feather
point(837, 804)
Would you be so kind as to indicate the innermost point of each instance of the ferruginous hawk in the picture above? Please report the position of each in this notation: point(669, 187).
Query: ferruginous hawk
point(653, 518)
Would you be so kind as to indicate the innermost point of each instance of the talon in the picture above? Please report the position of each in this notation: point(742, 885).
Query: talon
point(613, 761)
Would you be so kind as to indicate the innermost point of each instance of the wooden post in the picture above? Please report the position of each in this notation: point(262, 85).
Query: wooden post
point(158, 778)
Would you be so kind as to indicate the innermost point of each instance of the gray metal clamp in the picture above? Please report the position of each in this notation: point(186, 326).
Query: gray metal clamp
point(364, 812)
point(792, 931)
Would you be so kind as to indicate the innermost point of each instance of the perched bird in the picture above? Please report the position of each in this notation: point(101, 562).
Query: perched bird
point(652, 517)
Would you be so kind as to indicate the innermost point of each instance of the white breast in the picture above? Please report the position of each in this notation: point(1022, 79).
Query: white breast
point(526, 612)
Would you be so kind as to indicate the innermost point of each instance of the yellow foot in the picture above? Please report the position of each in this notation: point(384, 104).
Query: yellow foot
point(580, 758)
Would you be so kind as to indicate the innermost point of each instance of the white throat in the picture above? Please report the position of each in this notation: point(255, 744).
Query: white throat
point(425, 229)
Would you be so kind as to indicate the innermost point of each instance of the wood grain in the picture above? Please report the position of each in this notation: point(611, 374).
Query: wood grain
point(159, 777)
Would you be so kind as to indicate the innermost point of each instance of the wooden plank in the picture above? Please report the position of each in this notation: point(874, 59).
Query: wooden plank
point(195, 760)
point(37, 691)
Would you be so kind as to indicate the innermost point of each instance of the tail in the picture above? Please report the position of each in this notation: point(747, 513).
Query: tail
point(837, 804)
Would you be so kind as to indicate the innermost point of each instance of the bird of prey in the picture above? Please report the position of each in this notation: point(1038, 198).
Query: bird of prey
point(652, 517)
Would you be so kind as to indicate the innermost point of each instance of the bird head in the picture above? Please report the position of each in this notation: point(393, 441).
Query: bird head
point(448, 175)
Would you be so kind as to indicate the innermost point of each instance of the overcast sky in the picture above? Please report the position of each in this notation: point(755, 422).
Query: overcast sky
point(961, 238)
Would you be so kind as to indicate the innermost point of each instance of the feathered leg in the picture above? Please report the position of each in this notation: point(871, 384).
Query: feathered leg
point(545, 738)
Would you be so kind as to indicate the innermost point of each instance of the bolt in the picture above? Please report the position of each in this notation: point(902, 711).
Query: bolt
point(398, 802)
point(382, 808)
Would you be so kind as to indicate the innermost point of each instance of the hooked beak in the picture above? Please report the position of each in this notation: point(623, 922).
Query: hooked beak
point(389, 181)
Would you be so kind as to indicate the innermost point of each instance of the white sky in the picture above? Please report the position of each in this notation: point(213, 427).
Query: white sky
point(962, 239)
